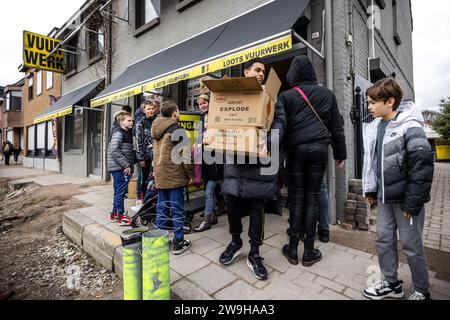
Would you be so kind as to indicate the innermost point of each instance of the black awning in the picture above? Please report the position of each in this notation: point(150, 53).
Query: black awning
point(64, 105)
point(262, 32)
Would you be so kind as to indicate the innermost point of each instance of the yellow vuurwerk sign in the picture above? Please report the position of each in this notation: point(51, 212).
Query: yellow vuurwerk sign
point(36, 48)
point(263, 50)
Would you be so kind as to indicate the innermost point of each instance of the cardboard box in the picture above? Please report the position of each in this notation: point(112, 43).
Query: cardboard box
point(242, 102)
point(237, 139)
point(132, 189)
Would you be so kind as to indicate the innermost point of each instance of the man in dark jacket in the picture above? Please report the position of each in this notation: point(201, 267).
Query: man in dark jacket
point(247, 189)
point(310, 127)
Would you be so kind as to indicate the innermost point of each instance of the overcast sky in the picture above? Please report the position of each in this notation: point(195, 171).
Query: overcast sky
point(431, 38)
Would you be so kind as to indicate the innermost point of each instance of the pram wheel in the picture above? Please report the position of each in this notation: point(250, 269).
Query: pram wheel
point(189, 216)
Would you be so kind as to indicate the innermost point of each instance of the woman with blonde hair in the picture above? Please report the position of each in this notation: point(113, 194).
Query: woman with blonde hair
point(212, 174)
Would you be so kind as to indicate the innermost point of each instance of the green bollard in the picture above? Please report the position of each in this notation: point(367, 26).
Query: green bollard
point(132, 263)
point(155, 265)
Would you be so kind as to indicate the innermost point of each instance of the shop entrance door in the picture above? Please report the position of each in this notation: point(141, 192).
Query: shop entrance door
point(95, 143)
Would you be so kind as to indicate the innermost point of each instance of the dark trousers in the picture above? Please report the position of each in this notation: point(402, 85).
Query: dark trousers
point(142, 179)
point(237, 208)
point(306, 165)
point(7, 156)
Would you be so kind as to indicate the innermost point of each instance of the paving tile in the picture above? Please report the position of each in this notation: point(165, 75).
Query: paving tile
point(204, 245)
point(239, 290)
point(329, 284)
point(212, 278)
point(328, 294)
point(354, 294)
point(188, 263)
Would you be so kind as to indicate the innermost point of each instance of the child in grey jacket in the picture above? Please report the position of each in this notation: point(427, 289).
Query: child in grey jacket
point(120, 160)
point(397, 174)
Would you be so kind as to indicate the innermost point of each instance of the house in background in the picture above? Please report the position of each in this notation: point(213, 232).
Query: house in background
point(11, 114)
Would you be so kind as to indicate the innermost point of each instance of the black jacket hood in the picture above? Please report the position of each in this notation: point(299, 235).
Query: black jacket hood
point(301, 71)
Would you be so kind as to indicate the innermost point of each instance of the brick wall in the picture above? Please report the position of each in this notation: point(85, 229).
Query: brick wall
point(38, 104)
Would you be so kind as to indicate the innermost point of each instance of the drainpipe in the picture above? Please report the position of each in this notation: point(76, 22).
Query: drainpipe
point(107, 111)
point(330, 85)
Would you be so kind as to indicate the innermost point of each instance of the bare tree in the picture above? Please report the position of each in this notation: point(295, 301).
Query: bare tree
point(430, 116)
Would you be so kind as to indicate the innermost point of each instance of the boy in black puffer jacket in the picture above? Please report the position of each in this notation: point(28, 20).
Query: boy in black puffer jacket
point(120, 160)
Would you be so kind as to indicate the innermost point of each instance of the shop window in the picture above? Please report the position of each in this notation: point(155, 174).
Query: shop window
point(196, 88)
point(31, 141)
point(40, 140)
point(147, 14)
point(30, 87)
point(38, 83)
point(49, 79)
point(184, 4)
point(73, 132)
point(51, 138)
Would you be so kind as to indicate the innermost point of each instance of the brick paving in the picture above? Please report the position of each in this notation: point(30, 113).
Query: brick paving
point(341, 275)
point(437, 211)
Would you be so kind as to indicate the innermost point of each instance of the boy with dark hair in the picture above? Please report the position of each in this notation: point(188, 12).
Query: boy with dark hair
point(397, 174)
point(170, 177)
point(247, 190)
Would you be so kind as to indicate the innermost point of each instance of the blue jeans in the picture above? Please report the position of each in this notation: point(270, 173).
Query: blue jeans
point(209, 196)
point(120, 189)
point(171, 199)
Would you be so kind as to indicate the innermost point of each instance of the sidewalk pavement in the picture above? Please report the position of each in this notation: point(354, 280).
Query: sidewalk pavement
point(197, 274)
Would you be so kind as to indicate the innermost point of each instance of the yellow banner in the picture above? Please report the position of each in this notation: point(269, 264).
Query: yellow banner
point(260, 51)
point(36, 48)
point(57, 114)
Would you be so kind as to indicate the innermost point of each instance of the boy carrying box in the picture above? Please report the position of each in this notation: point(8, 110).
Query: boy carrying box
point(397, 174)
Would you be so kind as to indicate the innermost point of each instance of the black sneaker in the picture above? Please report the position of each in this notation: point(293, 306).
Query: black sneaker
point(180, 247)
point(383, 289)
point(232, 251)
point(254, 262)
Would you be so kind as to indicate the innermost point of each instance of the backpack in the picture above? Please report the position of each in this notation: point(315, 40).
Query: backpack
point(6, 148)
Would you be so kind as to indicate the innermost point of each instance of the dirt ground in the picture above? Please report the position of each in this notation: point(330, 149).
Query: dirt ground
point(38, 262)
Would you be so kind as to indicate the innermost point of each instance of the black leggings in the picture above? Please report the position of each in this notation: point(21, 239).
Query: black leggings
point(306, 165)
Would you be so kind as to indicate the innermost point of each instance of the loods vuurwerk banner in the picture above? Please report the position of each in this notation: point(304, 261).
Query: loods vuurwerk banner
point(36, 50)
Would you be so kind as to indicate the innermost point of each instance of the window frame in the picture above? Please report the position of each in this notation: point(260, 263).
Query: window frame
point(31, 88)
point(40, 151)
point(185, 4)
point(31, 152)
point(47, 73)
point(396, 35)
point(146, 25)
point(71, 58)
point(39, 83)
point(69, 133)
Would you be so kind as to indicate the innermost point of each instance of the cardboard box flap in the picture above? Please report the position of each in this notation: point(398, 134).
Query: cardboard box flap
point(273, 85)
point(233, 84)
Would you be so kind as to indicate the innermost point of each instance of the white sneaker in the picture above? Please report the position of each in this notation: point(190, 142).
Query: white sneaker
point(383, 289)
point(419, 296)
point(138, 206)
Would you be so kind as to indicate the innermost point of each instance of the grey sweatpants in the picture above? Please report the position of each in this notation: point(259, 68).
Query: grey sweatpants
point(390, 218)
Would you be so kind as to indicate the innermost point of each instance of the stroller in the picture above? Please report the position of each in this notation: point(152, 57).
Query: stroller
point(146, 216)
